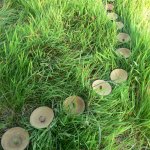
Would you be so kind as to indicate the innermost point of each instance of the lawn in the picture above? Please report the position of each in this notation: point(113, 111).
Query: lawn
point(53, 49)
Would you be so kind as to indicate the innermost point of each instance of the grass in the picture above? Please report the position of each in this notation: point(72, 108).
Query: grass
point(50, 50)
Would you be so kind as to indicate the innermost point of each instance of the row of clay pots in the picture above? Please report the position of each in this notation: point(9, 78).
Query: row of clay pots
point(17, 138)
point(102, 87)
point(121, 37)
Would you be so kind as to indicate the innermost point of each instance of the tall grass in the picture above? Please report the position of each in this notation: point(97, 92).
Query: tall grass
point(53, 49)
point(137, 18)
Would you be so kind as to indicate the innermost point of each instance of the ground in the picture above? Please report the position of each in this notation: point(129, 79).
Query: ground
point(52, 49)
